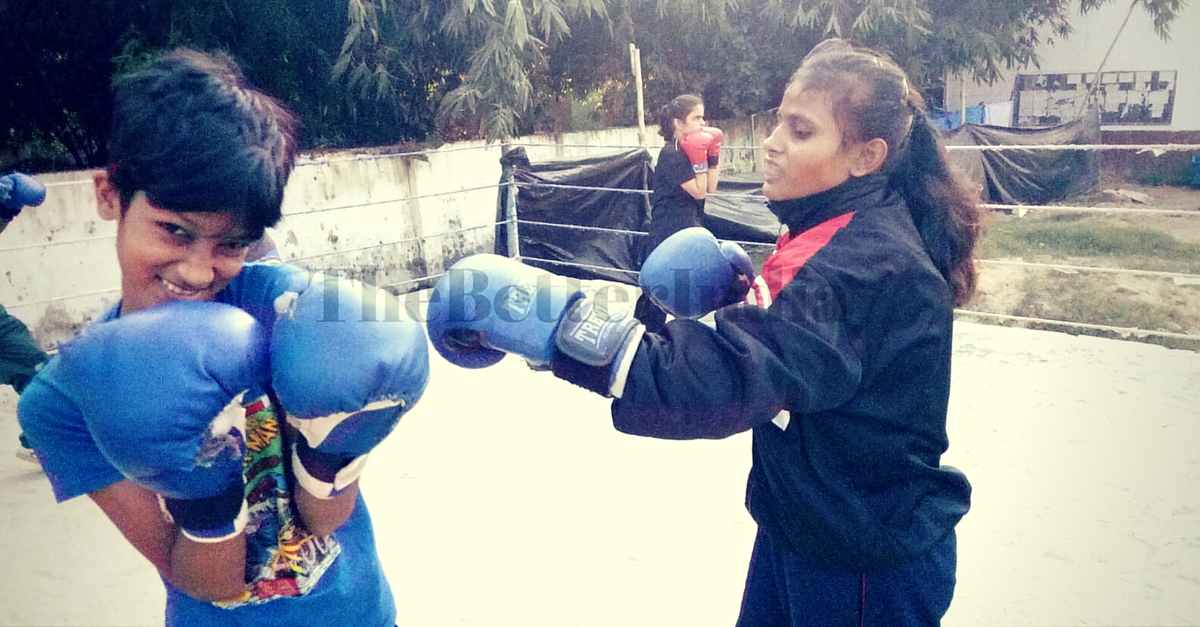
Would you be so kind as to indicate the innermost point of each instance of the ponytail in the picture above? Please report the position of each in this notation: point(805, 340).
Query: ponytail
point(944, 208)
point(665, 128)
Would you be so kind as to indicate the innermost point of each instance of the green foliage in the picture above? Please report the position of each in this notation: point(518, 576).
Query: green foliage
point(1100, 298)
point(378, 72)
point(526, 54)
point(1163, 12)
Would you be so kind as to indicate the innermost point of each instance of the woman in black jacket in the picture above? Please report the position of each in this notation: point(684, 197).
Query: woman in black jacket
point(838, 361)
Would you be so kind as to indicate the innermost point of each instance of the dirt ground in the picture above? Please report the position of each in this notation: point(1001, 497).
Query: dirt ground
point(1000, 285)
point(1185, 226)
point(506, 498)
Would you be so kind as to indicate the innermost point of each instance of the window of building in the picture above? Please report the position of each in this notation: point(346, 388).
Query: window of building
point(1133, 98)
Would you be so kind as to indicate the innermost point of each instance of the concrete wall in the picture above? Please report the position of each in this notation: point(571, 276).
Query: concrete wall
point(58, 261)
point(395, 220)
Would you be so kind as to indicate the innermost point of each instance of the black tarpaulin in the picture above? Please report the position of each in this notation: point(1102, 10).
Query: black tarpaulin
point(1030, 175)
point(738, 212)
point(546, 215)
point(586, 218)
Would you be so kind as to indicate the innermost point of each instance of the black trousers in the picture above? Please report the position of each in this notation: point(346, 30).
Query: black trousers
point(784, 590)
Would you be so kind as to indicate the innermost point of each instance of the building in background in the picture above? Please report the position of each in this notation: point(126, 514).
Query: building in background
point(1148, 90)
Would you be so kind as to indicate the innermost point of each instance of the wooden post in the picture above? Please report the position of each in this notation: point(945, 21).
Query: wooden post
point(754, 142)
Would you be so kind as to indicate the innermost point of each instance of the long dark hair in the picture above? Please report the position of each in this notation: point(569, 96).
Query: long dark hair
point(871, 97)
point(677, 109)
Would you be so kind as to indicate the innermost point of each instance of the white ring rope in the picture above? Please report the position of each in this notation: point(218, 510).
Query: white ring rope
point(1123, 331)
point(583, 228)
point(1054, 266)
point(30, 303)
point(409, 240)
point(1172, 212)
point(1156, 149)
point(407, 281)
point(581, 265)
point(621, 190)
point(98, 238)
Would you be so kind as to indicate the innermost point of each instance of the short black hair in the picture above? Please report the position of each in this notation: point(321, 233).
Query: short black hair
point(191, 132)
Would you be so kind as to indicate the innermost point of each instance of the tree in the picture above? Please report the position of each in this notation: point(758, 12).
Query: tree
point(975, 38)
point(504, 43)
point(58, 59)
point(524, 62)
point(52, 75)
point(394, 71)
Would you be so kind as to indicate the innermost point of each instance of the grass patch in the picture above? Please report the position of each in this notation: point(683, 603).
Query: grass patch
point(1093, 300)
point(1078, 237)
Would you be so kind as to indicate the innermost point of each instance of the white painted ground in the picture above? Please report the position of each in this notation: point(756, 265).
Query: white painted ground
point(506, 498)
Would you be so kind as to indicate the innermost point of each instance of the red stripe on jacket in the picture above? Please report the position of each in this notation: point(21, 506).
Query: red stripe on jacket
point(791, 253)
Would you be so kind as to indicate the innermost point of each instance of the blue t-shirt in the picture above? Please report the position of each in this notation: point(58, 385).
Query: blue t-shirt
point(293, 577)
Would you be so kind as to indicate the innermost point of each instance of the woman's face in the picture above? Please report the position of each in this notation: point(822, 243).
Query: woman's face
point(690, 124)
point(804, 155)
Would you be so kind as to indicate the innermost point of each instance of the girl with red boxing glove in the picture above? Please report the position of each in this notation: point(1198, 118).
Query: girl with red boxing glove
point(685, 173)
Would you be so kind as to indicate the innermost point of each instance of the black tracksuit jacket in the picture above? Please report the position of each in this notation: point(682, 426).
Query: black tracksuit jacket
point(854, 350)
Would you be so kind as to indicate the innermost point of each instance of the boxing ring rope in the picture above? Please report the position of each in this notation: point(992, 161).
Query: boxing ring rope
point(1025, 208)
point(513, 225)
point(1019, 210)
point(305, 161)
point(398, 200)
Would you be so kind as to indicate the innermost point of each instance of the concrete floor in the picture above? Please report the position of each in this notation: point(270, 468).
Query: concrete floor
point(506, 498)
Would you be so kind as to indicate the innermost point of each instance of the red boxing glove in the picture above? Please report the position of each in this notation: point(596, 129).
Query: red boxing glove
point(696, 146)
point(714, 149)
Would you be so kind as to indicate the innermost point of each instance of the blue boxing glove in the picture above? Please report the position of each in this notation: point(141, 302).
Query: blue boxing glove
point(691, 274)
point(486, 306)
point(163, 391)
point(17, 191)
point(344, 374)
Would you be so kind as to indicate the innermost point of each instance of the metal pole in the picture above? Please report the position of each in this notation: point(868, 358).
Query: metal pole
point(510, 217)
point(963, 100)
point(754, 143)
